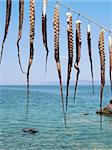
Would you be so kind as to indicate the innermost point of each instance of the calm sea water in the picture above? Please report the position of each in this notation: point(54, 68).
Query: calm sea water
point(45, 114)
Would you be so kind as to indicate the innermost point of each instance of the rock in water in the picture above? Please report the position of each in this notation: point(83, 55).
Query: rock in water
point(30, 130)
point(104, 112)
point(86, 114)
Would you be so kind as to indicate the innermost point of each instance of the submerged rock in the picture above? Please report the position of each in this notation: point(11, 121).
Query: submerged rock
point(30, 130)
point(86, 114)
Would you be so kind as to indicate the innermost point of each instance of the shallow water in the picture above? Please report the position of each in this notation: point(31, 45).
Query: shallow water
point(45, 114)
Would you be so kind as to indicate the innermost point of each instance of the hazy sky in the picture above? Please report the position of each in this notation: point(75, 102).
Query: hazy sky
point(100, 11)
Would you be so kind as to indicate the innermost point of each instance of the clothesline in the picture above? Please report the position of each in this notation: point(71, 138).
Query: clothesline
point(85, 17)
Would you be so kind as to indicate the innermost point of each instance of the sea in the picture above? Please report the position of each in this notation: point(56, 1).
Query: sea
point(84, 130)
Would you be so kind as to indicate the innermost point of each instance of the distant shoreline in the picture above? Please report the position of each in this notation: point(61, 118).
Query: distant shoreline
point(51, 85)
point(81, 82)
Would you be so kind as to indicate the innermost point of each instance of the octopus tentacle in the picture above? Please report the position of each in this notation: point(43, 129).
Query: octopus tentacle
point(56, 52)
point(44, 29)
point(102, 64)
point(110, 70)
point(90, 53)
point(70, 51)
point(21, 16)
point(78, 52)
point(32, 36)
point(7, 22)
point(77, 77)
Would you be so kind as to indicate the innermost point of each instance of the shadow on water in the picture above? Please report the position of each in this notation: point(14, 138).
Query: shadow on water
point(101, 123)
point(27, 102)
point(104, 118)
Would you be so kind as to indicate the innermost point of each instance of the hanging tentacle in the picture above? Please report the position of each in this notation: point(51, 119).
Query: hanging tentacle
point(102, 64)
point(70, 51)
point(56, 52)
point(7, 22)
point(21, 17)
point(44, 29)
point(32, 36)
point(78, 52)
point(110, 71)
point(90, 53)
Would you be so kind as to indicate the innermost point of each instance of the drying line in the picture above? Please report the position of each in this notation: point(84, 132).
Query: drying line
point(85, 17)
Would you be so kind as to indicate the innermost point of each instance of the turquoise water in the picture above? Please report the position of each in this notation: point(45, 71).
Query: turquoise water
point(45, 114)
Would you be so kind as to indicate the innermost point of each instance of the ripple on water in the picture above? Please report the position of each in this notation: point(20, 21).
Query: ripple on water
point(45, 115)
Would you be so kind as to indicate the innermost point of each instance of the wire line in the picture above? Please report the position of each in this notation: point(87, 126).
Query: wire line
point(85, 17)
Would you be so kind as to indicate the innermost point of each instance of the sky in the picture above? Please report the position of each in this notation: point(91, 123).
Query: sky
point(10, 73)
